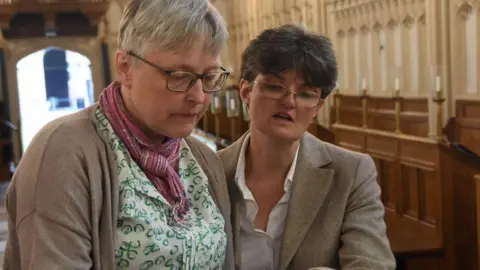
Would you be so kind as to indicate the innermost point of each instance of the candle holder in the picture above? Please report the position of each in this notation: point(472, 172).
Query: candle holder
point(364, 98)
point(439, 99)
point(396, 79)
point(397, 99)
point(437, 75)
point(337, 101)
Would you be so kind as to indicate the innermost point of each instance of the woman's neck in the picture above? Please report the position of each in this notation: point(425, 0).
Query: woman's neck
point(132, 112)
point(268, 157)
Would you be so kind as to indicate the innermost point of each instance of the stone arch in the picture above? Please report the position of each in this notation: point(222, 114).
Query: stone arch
point(18, 49)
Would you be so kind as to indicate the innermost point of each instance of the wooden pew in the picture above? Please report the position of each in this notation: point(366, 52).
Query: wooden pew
point(428, 193)
point(477, 197)
point(322, 133)
point(468, 124)
point(207, 123)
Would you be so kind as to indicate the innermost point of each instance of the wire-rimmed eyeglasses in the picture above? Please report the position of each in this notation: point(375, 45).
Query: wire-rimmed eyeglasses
point(181, 81)
point(305, 97)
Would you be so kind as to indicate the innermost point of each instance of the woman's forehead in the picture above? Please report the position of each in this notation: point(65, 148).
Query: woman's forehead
point(288, 75)
point(193, 60)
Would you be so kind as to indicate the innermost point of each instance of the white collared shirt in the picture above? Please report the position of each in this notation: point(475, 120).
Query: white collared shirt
point(259, 249)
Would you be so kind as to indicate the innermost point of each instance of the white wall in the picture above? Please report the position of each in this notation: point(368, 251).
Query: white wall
point(35, 110)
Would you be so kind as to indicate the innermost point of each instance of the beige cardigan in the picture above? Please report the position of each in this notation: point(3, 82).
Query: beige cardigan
point(63, 200)
point(335, 215)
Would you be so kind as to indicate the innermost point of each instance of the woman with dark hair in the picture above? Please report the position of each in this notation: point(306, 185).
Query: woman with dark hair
point(298, 202)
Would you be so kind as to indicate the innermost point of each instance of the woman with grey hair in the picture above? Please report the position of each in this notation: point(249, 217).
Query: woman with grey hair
point(120, 185)
point(298, 202)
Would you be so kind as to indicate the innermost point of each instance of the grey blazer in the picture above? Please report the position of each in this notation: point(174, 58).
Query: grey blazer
point(335, 217)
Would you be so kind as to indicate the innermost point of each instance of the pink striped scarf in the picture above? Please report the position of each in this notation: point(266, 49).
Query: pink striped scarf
point(158, 161)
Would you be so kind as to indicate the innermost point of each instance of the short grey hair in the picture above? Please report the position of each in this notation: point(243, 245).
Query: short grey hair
point(171, 25)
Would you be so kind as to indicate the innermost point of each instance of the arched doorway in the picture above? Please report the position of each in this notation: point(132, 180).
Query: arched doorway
point(52, 82)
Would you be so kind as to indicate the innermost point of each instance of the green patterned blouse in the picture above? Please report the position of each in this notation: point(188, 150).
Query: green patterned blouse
point(144, 239)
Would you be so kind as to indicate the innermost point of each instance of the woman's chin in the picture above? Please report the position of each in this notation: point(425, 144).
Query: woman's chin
point(282, 133)
point(182, 131)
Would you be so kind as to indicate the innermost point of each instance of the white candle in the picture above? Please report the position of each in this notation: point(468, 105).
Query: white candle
point(438, 84)
point(364, 84)
point(216, 102)
point(232, 104)
point(397, 84)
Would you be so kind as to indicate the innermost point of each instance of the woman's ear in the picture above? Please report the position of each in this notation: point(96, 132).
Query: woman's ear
point(123, 64)
point(319, 107)
point(320, 104)
point(244, 90)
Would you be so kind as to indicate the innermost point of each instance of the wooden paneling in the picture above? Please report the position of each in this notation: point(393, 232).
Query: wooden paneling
point(350, 140)
point(477, 211)
point(429, 262)
point(429, 196)
point(240, 127)
point(468, 124)
point(210, 123)
point(322, 133)
point(34, 18)
point(223, 130)
point(409, 181)
point(458, 189)
point(381, 114)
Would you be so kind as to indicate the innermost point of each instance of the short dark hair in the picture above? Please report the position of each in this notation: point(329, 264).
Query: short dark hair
point(291, 47)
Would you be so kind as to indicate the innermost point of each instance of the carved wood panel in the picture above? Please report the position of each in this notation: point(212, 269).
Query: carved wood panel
point(381, 114)
point(386, 173)
point(429, 197)
point(468, 119)
point(410, 191)
point(210, 123)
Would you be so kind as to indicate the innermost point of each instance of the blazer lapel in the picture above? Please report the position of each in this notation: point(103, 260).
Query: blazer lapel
point(311, 183)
